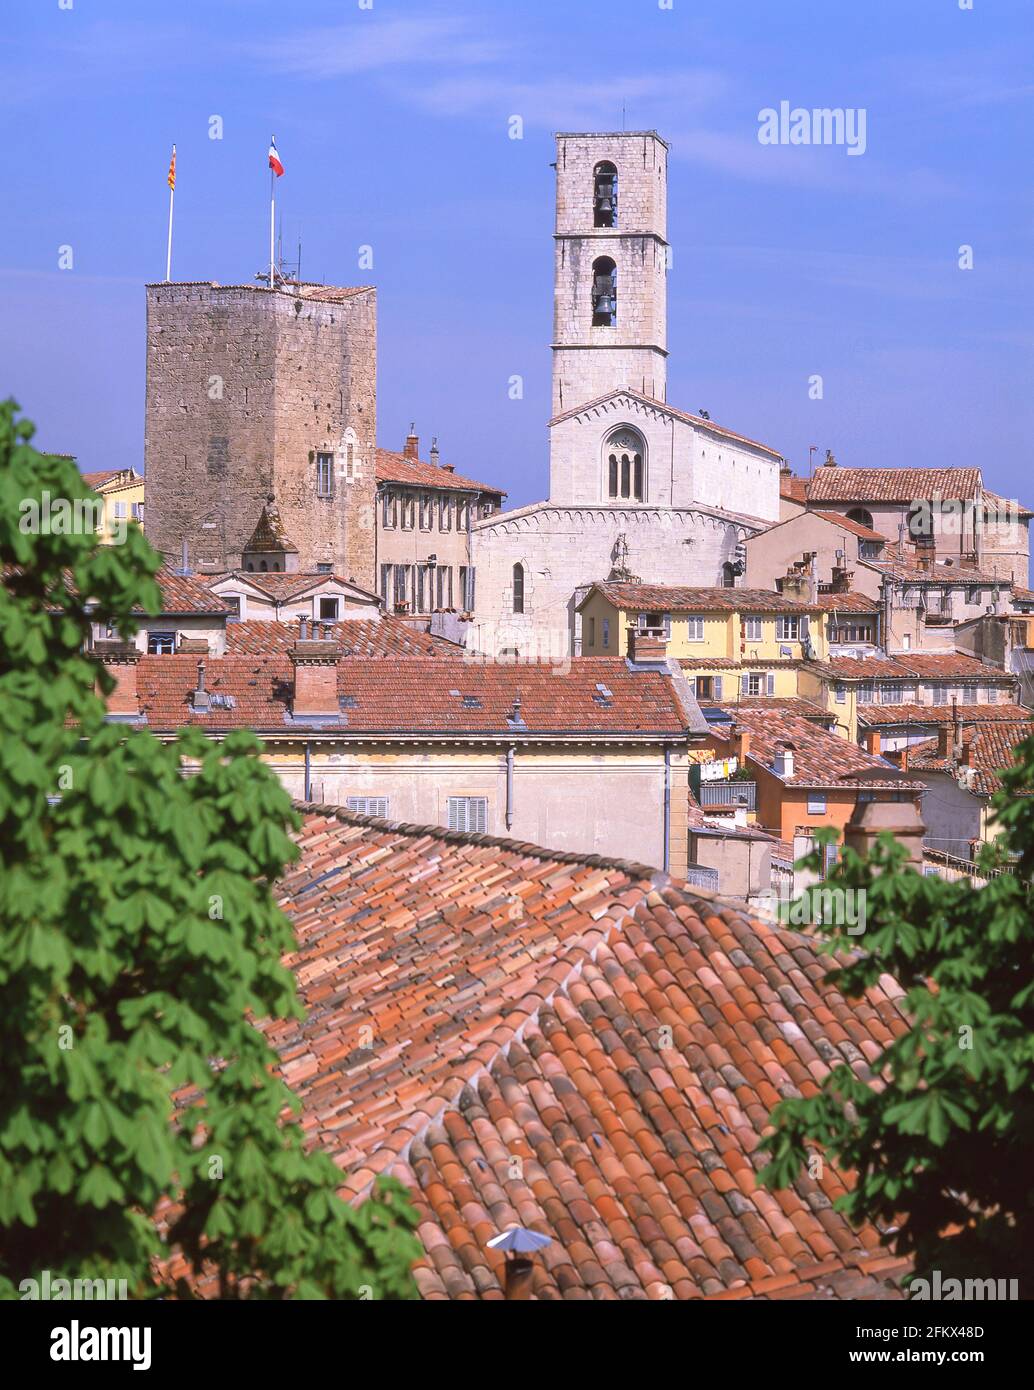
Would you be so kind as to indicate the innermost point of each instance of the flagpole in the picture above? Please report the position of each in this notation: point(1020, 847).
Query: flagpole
point(168, 253)
point(272, 215)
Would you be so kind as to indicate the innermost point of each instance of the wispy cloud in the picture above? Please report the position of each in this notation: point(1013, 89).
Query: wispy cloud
point(368, 43)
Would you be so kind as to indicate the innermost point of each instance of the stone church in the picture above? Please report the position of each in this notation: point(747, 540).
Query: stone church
point(638, 489)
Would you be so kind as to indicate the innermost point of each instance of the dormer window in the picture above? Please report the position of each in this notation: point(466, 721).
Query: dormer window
point(605, 195)
point(604, 293)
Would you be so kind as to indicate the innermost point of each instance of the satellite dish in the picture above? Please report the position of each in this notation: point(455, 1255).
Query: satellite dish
point(518, 1240)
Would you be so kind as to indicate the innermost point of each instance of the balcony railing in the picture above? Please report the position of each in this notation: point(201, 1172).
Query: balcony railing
point(702, 877)
point(729, 793)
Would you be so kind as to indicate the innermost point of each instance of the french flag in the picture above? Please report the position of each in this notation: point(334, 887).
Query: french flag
point(274, 158)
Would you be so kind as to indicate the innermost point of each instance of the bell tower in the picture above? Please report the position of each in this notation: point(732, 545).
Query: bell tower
point(610, 291)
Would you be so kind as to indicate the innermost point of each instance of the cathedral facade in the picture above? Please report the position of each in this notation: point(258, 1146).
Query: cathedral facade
point(638, 489)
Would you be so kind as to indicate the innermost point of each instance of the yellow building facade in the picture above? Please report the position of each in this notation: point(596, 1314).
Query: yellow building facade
point(729, 642)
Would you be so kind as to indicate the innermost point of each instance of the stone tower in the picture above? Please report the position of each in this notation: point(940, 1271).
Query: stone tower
point(610, 292)
point(255, 394)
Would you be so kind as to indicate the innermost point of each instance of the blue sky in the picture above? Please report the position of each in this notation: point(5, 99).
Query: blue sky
point(393, 125)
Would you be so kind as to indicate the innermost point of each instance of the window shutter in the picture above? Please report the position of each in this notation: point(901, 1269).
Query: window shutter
point(468, 813)
point(717, 687)
point(804, 628)
point(368, 805)
point(771, 682)
point(744, 685)
point(667, 626)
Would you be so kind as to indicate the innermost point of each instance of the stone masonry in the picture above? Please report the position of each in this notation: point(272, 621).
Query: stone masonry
point(245, 387)
point(589, 361)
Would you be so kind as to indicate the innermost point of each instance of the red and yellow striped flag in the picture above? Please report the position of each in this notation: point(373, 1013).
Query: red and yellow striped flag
point(172, 169)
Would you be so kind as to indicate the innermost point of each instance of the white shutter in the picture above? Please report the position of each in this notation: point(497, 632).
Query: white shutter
point(771, 682)
point(717, 687)
point(744, 685)
point(468, 814)
point(368, 805)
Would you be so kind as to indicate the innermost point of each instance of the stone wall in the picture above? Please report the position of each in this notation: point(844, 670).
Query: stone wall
point(685, 464)
point(591, 361)
point(566, 549)
point(244, 387)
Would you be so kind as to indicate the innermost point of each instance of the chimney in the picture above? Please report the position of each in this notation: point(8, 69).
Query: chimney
point(872, 742)
point(411, 448)
point(200, 699)
point(830, 461)
point(518, 1279)
point(649, 648)
point(841, 580)
point(784, 759)
point(966, 751)
point(739, 738)
point(434, 452)
point(946, 742)
point(315, 660)
point(120, 661)
point(797, 585)
point(870, 819)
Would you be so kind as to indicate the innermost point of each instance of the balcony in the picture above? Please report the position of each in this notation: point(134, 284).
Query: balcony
point(731, 793)
point(702, 877)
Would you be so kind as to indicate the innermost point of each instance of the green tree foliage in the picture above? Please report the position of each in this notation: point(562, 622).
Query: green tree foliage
point(943, 1149)
point(138, 938)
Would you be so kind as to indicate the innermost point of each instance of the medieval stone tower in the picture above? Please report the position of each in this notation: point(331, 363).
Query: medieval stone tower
point(610, 292)
point(253, 394)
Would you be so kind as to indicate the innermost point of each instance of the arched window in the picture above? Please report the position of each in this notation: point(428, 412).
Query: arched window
point(604, 293)
point(518, 588)
point(729, 575)
point(263, 565)
point(625, 474)
point(605, 195)
point(860, 515)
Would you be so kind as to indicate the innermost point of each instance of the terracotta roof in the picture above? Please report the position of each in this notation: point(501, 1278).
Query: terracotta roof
point(753, 663)
point(401, 696)
point(399, 468)
point(934, 664)
point(991, 748)
point(1007, 504)
point(909, 571)
point(850, 602)
point(837, 484)
point(820, 759)
point(911, 665)
point(269, 533)
point(186, 594)
point(846, 523)
point(697, 420)
point(359, 637)
point(106, 475)
point(793, 489)
point(939, 714)
point(789, 704)
point(281, 586)
point(472, 1001)
point(684, 599)
point(1022, 595)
